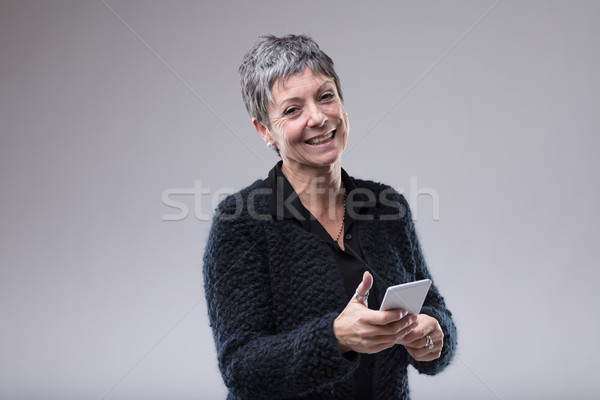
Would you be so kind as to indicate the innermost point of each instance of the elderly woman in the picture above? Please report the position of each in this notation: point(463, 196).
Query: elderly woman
point(291, 259)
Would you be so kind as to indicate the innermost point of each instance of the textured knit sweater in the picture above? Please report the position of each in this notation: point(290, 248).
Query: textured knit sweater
point(273, 291)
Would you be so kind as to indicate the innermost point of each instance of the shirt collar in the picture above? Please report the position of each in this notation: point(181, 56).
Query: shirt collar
point(285, 203)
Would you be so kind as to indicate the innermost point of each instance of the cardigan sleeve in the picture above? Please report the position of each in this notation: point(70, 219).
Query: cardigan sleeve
point(255, 360)
point(434, 304)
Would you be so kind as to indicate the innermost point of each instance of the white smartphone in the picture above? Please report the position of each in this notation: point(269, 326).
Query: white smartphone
point(408, 296)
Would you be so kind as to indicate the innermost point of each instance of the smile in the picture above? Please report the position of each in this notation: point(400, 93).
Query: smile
point(321, 139)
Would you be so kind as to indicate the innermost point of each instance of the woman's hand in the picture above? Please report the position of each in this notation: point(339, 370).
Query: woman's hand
point(368, 331)
point(416, 341)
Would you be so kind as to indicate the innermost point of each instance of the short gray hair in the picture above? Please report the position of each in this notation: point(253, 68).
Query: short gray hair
point(274, 58)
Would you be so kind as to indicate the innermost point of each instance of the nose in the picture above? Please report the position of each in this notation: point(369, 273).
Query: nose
point(316, 117)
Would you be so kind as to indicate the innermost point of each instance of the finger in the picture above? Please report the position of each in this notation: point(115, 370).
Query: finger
point(366, 284)
point(386, 318)
point(420, 340)
point(390, 317)
point(376, 343)
point(426, 326)
point(421, 352)
point(395, 327)
point(372, 348)
point(382, 337)
point(404, 332)
point(425, 354)
point(362, 291)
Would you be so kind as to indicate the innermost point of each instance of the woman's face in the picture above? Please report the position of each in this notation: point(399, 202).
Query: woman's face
point(308, 122)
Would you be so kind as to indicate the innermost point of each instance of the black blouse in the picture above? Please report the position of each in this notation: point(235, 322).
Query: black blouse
point(285, 204)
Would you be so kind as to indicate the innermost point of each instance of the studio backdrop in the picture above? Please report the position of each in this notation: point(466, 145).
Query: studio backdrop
point(122, 126)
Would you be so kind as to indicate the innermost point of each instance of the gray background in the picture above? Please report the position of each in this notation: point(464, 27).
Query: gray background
point(105, 106)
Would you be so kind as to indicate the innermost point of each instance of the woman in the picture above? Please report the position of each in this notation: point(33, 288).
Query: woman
point(291, 259)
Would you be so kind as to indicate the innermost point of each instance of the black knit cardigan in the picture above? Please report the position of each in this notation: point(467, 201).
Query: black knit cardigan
point(273, 291)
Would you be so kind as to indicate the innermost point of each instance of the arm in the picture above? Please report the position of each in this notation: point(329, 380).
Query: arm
point(433, 308)
point(255, 359)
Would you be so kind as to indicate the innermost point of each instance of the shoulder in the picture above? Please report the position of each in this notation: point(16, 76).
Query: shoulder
point(383, 198)
point(237, 222)
point(240, 214)
point(375, 186)
point(255, 198)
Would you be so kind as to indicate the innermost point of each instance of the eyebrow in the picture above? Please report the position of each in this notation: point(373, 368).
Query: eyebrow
point(291, 99)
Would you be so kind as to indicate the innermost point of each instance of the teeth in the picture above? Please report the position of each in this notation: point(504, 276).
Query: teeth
point(321, 139)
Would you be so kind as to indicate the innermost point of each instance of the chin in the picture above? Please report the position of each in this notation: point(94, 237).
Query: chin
point(327, 161)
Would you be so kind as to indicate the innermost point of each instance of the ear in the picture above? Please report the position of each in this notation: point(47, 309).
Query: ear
point(262, 130)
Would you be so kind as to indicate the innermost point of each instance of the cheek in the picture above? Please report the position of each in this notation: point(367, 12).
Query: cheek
point(333, 109)
point(346, 124)
point(337, 110)
point(278, 131)
point(277, 126)
point(344, 118)
point(286, 133)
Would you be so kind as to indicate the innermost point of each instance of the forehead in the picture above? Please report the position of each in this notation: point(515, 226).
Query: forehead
point(298, 84)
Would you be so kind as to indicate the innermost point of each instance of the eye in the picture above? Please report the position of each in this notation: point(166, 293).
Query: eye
point(291, 111)
point(327, 96)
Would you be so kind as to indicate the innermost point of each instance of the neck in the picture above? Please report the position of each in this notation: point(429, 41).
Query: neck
point(319, 188)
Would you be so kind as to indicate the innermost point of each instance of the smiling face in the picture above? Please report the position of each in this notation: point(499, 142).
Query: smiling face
point(308, 122)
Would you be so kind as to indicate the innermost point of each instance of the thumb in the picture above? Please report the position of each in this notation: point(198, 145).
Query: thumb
point(363, 288)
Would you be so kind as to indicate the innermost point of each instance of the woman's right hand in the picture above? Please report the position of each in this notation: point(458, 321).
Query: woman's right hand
point(363, 330)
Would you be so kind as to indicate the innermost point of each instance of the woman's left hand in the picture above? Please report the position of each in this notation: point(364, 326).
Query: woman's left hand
point(416, 341)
